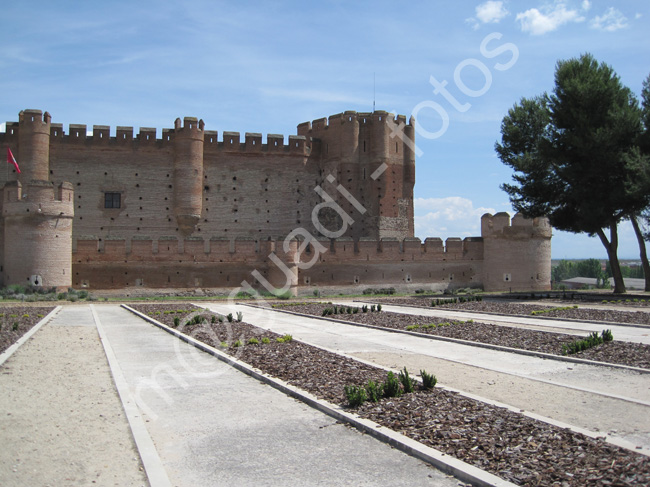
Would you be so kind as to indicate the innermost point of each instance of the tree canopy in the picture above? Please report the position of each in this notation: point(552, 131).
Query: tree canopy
point(575, 154)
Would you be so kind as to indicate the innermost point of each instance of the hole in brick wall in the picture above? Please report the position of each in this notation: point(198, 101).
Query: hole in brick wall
point(137, 185)
point(170, 186)
point(77, 172)
point(136, 174)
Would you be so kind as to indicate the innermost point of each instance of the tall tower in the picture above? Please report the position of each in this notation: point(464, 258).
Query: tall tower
point(37, 215)
point(188, 173)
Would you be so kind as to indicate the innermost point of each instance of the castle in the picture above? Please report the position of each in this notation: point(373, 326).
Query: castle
point(329, 207)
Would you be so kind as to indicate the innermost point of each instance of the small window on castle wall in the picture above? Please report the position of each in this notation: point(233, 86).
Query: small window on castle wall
point(112, 200)
point(507, 277)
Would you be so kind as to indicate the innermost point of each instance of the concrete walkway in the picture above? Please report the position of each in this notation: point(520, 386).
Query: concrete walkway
point(581, 395)
point(210, 425)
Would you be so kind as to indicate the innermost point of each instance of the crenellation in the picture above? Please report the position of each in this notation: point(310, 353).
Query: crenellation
point(124, 135)
point(76, 133)
point(146, 136)
point(231, 141)
point(253, 142)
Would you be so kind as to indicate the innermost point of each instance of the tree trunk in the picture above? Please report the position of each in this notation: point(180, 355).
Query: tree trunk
point(612, 253)
point(642, 251)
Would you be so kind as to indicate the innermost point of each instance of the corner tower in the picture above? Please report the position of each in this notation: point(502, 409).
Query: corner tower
point(517, 254)
point(37, 215)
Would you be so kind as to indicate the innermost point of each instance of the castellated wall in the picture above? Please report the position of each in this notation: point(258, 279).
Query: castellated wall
point(221, 263)
point(188, 207)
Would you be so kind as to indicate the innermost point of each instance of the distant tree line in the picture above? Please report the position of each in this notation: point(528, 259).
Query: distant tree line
point(567, 269)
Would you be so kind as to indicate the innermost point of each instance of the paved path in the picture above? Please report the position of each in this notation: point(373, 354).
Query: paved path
point(577, 394)
point(622, 333)
point(212, 425)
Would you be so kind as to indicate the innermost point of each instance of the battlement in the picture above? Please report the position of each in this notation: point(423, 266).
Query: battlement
point(146, 137)
point(500, 226)
point(35, 118)
point(361, 118)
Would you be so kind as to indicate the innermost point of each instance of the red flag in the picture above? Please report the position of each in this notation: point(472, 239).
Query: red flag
point(12, 160)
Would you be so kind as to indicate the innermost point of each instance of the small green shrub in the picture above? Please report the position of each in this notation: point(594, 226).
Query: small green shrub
point(364, 308)
point(39, 316)
point(253, 341)
point(412, 327)
point(406, 380)
point(356, 396)
point(391, 387)
point(373, 391)
point(240, 316)
point(287, 338)
point(25, 315)
point(15, 327)
point(238, 343)
point(177, 321)
point(229, 317)
point(372, 308)
point(213, 319)
point(224, 345)
point(607, 336)
point(379, 307)
point(429, 381)
point(266, 340)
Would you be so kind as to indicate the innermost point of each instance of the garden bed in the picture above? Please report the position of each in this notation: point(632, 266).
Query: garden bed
point(622, 353)
point(508, 308)
point(510, 445)
point(15, 321)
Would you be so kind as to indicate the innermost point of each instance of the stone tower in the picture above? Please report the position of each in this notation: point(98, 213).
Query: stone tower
point(37, 215)
point(517, 254)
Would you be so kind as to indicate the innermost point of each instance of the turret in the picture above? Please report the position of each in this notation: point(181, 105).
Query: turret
point(517, 254)
point(188, 173)
point(34, 145)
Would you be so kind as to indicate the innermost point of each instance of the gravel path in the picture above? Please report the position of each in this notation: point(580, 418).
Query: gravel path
point(62, 422)
point(15, 321)
point(510, 445)
point(632, 354)
point(509, 308)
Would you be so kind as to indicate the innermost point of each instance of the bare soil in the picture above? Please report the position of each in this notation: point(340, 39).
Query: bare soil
point(623, 353)
point(510, 445)
point(15, 321)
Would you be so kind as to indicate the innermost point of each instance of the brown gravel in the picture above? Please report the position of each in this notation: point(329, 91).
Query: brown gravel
point(623, 353)
point(510, 445)
point(17, 314)
point(509, 308)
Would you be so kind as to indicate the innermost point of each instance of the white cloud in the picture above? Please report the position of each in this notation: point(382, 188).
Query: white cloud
point(637, 16)
point(612, 20)
point(538, 22)
point(491, 12)
point(453, 216)
point(586, 5)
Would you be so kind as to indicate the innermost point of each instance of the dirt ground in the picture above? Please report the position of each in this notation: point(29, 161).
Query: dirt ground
point(61, 421)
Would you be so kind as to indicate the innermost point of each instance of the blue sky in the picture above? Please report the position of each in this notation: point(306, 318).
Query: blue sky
point(265, 67)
